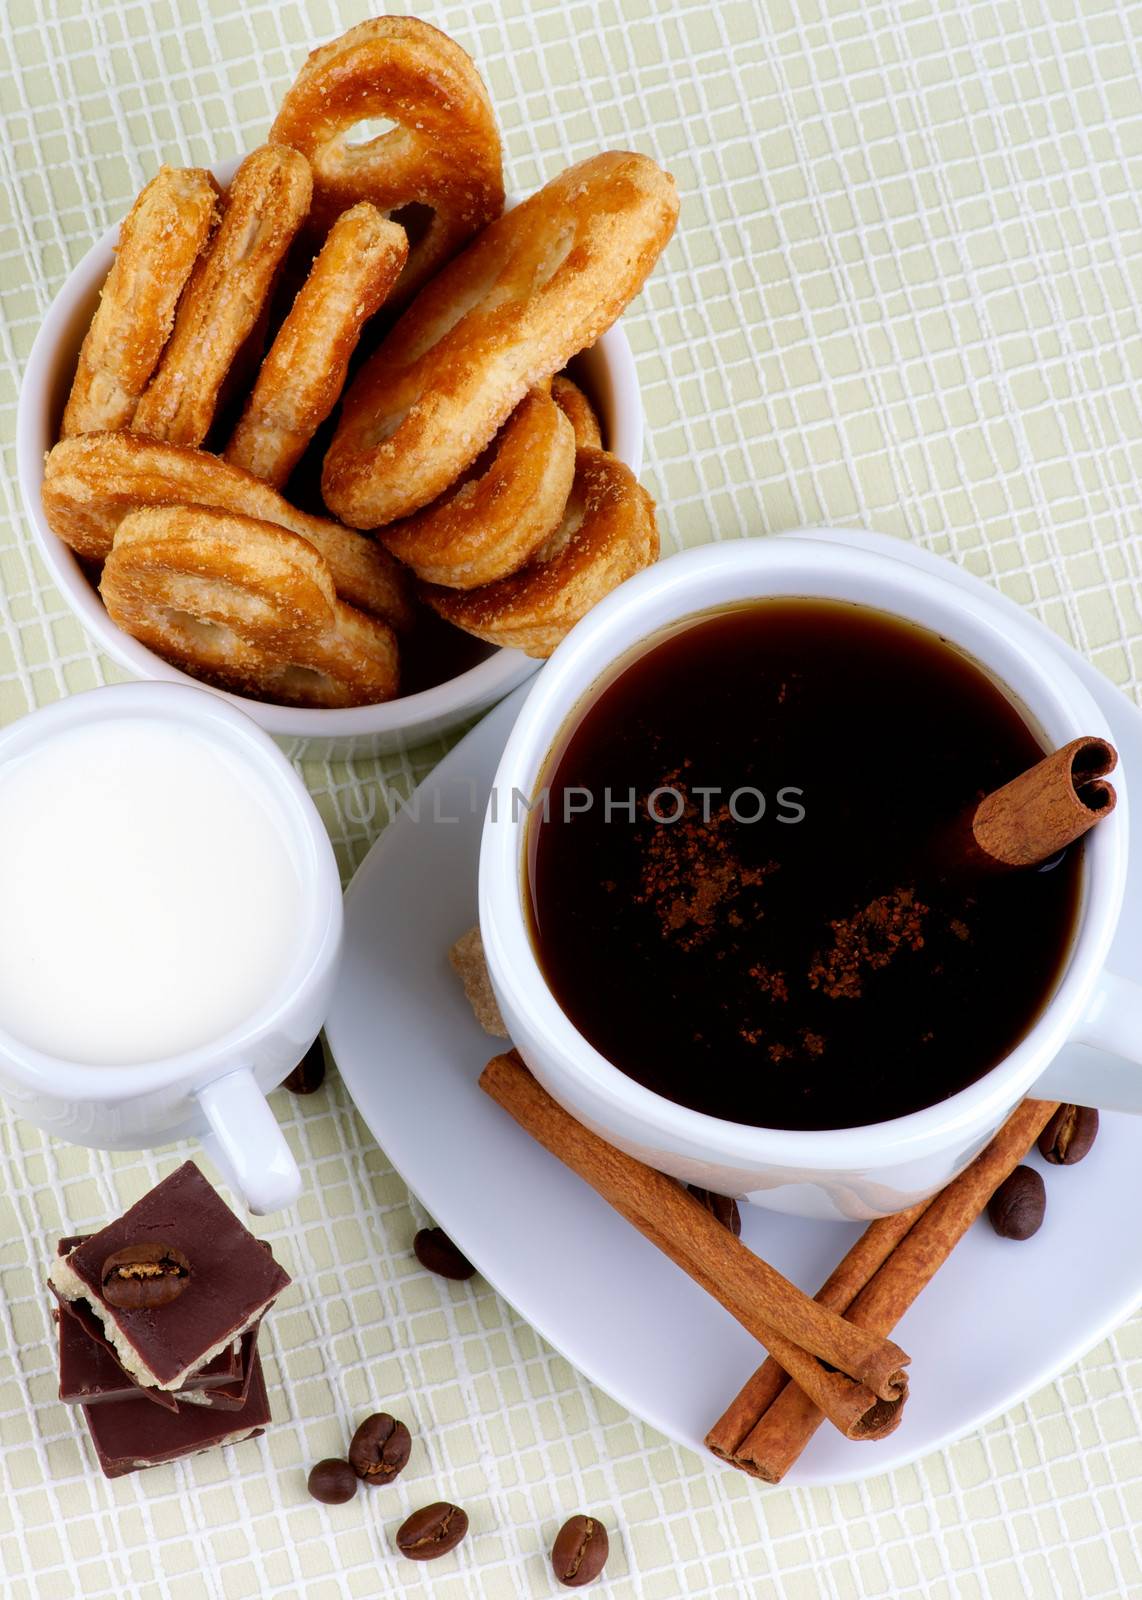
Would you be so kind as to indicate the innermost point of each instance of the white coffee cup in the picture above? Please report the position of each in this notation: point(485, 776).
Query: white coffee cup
point(850, 1172)
point(217, 1090)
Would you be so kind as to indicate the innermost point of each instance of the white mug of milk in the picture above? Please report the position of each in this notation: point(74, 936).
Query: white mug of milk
point(170, 924)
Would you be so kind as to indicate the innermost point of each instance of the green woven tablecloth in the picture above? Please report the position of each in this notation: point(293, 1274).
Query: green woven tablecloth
point(903, 295)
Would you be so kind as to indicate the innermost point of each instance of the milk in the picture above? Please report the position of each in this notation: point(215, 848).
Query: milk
point(148, 893)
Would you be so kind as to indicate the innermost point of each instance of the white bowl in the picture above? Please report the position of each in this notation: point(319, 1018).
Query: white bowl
point(607, 371)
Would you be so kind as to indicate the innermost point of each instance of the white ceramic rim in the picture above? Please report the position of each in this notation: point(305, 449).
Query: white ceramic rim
point(1063, 709)
point(316, 938)
point(480, 686)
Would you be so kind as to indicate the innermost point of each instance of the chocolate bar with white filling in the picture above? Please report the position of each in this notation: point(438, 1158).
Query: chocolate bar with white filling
point(232, 1395)
point(231, 1282)
point(89, 1370)
point(129, 1435)
point(89, 1373)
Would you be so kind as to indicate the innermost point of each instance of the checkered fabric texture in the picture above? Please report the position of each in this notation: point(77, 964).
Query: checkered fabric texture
point(903, 295)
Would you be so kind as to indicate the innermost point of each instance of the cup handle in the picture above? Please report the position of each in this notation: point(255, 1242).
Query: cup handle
point(247, 1144)
point(1110, 1079)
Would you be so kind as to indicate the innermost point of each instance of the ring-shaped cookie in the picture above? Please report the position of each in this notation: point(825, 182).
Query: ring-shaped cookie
point(303, 373)
point(269, 586)
point(538, 285)
point(161, 238)
point(579, 412)
point(493, 522)
point(92, 482)
point(246, 606)
point(608, 533)
point(262, 211)
point(439, 171)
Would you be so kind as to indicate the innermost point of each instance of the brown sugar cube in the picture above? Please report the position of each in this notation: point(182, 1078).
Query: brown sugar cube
point(467, 956)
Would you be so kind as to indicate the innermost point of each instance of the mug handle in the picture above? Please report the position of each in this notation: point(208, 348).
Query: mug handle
point(1113, 1026)
point(247, 1144)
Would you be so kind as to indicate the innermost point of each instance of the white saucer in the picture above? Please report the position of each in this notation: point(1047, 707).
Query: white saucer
point(992, 1327)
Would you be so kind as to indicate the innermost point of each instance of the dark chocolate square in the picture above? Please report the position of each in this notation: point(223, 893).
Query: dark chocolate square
point(129, 1435)
point(90, 1375)
point(90, 1370)
point(233, 1280)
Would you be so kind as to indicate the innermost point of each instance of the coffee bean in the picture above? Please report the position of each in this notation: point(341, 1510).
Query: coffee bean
point(432, 1531)
point(1016, 1208)
point(722, 1207)
point(380, 1449)
point(309, 1074)
point(144, 1276)
point(580, 1551)
point(332, 1482)
point(1068, 1136)
point(435, 1250)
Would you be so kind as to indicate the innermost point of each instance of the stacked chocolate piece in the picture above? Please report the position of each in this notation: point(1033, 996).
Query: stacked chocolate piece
point(158, 1326)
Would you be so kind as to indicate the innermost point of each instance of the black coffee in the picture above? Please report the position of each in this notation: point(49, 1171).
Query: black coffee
point(732, 889)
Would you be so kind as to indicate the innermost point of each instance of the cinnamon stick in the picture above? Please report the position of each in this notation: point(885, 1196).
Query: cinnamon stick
point(838, 1292)
point(851, 1407)
point(862, 1396)
point(791, 1418)
point(1044, 809)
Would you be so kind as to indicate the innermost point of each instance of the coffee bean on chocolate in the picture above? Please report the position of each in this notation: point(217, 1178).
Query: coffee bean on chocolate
point(332, 1482)
point(722, 1207)
point(580, 1551)
point(144, 1276)
point(1068, 1136)
point(309, 1074)
point(435, 1250)
point(380, 1449)
point(1017, 1207)
point(432, 1531)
